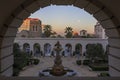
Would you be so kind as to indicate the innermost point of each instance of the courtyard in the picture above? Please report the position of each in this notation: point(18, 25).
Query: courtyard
point(45, 62)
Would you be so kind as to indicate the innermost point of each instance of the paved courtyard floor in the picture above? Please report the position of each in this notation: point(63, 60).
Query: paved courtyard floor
point(83, 71)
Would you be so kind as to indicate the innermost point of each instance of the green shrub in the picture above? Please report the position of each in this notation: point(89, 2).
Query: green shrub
point(15, 71)
point(78, 62)
point(29, 62)
point(36, 61)
point(99, 67)
point(104, 74)
point(20, 60)
point(86, 62)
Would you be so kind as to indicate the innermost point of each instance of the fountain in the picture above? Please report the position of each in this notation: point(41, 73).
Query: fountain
point(58, 69)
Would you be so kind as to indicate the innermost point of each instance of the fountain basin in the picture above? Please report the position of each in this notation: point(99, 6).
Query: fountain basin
point(47, 72)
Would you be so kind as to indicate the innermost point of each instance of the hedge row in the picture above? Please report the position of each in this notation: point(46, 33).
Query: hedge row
point(86, 62)
point(104, 74)
point(99, 67)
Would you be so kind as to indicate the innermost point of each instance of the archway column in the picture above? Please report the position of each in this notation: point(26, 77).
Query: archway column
point(32, 48)
point(83, 49)
point(21, 46)
point(73, 48)
point(42, 48)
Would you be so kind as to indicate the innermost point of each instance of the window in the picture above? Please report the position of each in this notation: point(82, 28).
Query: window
point(36, 28)
point(33, 28)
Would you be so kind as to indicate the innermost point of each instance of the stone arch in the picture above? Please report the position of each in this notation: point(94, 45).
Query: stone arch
point(78, 46)
point(68, 49)
point(47, 49)
point(26, 47)
point(104, 13)
point(36, 49)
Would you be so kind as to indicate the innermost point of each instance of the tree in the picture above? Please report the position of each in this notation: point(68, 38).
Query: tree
point(53, 34)
point(20, 59)
point(59, 36)
point(16, 48)
point(90, 50)
point(95, 50)
point(78, 46)
point(47, 30)
point(99, 50)
point(69, 32)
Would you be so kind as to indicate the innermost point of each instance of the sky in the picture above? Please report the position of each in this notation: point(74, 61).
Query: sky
point(60, 17)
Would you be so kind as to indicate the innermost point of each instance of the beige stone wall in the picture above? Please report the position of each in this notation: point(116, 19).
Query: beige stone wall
point(31, 27)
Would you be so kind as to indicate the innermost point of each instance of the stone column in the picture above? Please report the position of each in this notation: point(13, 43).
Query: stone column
point(73, 48)
point(42, 48)
point(83, 48)
point(31, 48)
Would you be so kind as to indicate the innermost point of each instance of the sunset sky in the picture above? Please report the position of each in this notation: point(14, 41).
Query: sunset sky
point(60, 17)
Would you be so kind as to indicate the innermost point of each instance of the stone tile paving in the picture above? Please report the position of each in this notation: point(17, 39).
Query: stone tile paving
point(83, 71)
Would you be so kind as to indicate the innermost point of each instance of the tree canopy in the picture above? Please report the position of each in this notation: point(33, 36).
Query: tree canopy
point(47, 30)
point(95, 50)
point(69, 32)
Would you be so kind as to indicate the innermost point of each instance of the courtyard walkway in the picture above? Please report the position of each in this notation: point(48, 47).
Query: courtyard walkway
point(83, 71)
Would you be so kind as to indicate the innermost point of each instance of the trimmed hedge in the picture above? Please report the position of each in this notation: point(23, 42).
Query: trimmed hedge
point(78, 62)
point(101, 61)
point(86, 62)
point(36, 61)
point(96, 67)
point(103, 74)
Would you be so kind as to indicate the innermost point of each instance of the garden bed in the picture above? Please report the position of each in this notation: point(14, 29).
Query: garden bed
point(99, 67)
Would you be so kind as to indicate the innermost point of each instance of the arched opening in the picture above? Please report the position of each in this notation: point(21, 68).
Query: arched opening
point(37, 49)
point(100, 11)
point(47, 49)
point(26, 47)
point(78, 50)
point(68, 50)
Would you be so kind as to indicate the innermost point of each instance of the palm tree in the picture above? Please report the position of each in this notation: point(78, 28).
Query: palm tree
point(47, 30)
point(69, 32)
point(53, 33)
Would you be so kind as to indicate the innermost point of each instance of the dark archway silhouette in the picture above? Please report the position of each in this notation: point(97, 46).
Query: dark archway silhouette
point(26, 47)
point(68, 49)
point(103, 10)
point(47, 49)
point(37, 49)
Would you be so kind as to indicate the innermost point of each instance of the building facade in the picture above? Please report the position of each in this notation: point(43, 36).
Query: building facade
point(47, 44)
point(83, 33)
point(99, 31)
point(31, 27)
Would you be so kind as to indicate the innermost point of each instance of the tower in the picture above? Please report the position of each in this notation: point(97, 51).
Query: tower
point(31, 27)
point(35, 28)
